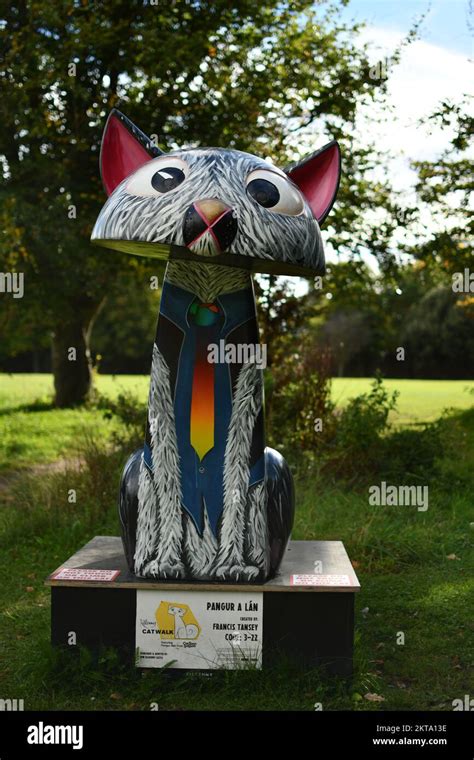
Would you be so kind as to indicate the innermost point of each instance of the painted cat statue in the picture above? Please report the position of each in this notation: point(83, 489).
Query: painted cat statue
point(205, 499)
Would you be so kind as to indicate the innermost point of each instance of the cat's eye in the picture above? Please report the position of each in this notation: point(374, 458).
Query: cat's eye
point(159, 176)
point(167, 179)
point(274, 192)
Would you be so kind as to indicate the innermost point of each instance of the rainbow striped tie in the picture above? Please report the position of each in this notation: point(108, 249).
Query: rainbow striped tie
point(205, 316)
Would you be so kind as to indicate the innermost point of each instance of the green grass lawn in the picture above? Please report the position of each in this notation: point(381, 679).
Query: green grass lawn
point(416, 569)
point(419, 400)
point(21, 389)
point(32, 433)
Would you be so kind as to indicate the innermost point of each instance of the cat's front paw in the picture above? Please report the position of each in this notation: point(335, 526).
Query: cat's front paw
point(163, 570)
point(237, 572)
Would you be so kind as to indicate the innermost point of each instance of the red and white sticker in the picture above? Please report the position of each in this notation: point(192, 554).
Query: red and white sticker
point(84, 574)
point(319, 579)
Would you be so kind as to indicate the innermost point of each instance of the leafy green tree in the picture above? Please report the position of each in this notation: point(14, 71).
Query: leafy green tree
point(122, 338)
point(439, 337)
point(447, 185)
point(438, 329)
point(264, 77)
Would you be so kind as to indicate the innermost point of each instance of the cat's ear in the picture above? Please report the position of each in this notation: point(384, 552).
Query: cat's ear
point(317, 176)
point(124, 149)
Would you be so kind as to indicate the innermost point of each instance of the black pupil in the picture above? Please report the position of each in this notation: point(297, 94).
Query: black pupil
point(167, 178)
point(264, 192)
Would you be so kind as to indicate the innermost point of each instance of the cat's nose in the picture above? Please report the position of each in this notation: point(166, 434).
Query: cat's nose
point(211, 209)
point(209, 227)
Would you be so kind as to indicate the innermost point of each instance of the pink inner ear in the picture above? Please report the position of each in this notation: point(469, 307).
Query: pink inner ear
point(121, 154)
point(318, 180)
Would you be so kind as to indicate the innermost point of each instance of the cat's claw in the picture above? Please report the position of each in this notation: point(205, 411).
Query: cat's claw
point(166, 570)
point(237, 572)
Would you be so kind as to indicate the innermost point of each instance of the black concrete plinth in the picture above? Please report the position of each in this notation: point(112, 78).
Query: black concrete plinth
point(313, 624)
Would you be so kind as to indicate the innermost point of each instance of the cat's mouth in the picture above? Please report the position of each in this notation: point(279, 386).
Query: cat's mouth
point(209, 227)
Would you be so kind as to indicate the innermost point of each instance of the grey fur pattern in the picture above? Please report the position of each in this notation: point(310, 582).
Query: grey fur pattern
point(256, 529)
point(201, 551)
point(157, 218)
point(240, 551)
point(147, 526)
point(207, 281)
point(160, 515)
point(231, 561)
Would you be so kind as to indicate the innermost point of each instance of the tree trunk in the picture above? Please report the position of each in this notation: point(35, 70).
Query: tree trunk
point(72, 367)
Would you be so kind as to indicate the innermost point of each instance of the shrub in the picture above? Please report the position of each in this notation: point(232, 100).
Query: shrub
point(131, 412)
point(352, 444)
point(412, 453)
point(298, 405)
point(355, 446)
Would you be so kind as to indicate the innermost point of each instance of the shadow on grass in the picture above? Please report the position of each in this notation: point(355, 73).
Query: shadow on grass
point(35, 406)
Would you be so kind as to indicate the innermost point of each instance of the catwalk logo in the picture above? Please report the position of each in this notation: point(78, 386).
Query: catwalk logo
point(399, 496)
point(41, 734)
point(240, 353)
point(176, 621)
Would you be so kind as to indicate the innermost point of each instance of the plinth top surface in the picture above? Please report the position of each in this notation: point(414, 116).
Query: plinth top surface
point(308, 566)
